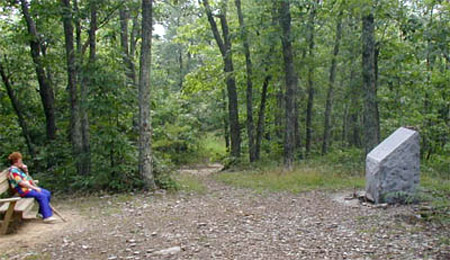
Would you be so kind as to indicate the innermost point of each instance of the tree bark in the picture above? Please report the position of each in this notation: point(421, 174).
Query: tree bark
point(261, 117)
point(145, 120)
point(370, 125)
point(85, 125)
point(226, 124)
point(249, 91)
point(225, 49)
point(330, 94)
point(45, 89)
point(133, 36)
point(131, 71)
point(354, 137)
point(291, 84)
point(279, 115)
point(16, 104)
point(310, 105)
point(75, 124)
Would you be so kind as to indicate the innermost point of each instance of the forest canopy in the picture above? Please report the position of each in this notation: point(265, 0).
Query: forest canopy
point(91, 96)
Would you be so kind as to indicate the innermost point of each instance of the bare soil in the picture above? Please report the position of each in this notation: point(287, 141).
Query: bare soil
point(228, 223)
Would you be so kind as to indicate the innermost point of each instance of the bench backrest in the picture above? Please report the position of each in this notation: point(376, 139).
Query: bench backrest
point(4, 184)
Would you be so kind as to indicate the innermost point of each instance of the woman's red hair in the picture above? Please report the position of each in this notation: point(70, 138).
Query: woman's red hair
point(14, 157)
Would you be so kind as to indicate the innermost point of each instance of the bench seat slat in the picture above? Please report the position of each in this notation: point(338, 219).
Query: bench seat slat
point(23, 205)
point(9, 200)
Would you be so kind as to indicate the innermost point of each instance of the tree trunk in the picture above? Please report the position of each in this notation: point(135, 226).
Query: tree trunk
point(45, 88)
point(330, 94)
point(133, 36)
point(309, 107)
point(180, 67)
point(85, 126)
point(261, 117)
point(130, 72)
point(249, 92)
point(279, 116)
point(83, 80)
point(226, 124)
point(291, 84)
point(75, 124)
point(145, 121)
point(344, 126)
point(354, 137)
point(18, 109)
point(370, 125)
point(225, 49)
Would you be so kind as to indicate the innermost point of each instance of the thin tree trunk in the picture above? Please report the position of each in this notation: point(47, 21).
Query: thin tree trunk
point(354, 137)
point(145, 121)
point(330, 94)
point(344, 126)
point(180, 66)
point(133, 36)
point(249, 92)
point(427, 106)
point(279, 115)
point(226, 124)
point(75, 124)
point(261, 117)
point(18, 109)
point(83, 80)
point(45, 88)
point(225, 49)
point(85, 126)
point(130, 73)
point(262, 106)
point(291, 84)
point(370, 120)
point(298, 138)
point(310, 105)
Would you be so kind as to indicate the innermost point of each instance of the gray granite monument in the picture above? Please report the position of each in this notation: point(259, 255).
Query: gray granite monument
point(393, 167)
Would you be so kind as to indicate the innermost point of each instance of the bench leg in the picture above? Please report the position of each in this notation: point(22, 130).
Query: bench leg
point(7, 218)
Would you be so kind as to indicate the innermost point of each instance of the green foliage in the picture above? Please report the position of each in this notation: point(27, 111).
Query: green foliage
point(163, 171)
point(189, 96)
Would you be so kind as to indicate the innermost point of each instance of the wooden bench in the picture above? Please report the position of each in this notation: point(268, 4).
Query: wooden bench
point(13, 209)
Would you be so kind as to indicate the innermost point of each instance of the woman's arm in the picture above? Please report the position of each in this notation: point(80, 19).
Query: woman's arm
point(29, 186)
point(24, 168)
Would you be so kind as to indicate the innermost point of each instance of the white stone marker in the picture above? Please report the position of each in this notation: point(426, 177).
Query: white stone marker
point(393, 166)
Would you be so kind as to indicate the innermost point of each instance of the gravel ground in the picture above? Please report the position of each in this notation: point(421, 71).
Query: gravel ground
point(231, 223)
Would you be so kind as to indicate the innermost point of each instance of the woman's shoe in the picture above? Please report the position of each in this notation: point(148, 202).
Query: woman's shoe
point(50, 220)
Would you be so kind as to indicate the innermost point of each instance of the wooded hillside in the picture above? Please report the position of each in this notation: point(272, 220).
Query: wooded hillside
point(93, 97)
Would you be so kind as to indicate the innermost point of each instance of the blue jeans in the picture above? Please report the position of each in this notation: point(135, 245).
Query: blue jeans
point(43, 198)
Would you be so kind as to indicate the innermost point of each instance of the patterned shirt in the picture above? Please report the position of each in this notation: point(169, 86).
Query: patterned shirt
point(16, 176)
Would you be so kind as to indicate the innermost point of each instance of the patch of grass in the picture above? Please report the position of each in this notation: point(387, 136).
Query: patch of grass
point(190, 184)
point(302, 178)
point(437, 185)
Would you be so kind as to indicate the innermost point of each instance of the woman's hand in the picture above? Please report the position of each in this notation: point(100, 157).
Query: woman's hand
point(24, 167)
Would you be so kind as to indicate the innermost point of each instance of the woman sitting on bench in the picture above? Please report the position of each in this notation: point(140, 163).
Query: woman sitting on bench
point(22, 183)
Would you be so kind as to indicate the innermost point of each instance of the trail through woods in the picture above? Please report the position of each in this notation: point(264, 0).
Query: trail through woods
point(228, 223)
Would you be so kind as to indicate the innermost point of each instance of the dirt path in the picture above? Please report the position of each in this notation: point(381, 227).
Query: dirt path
point(229, 223)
